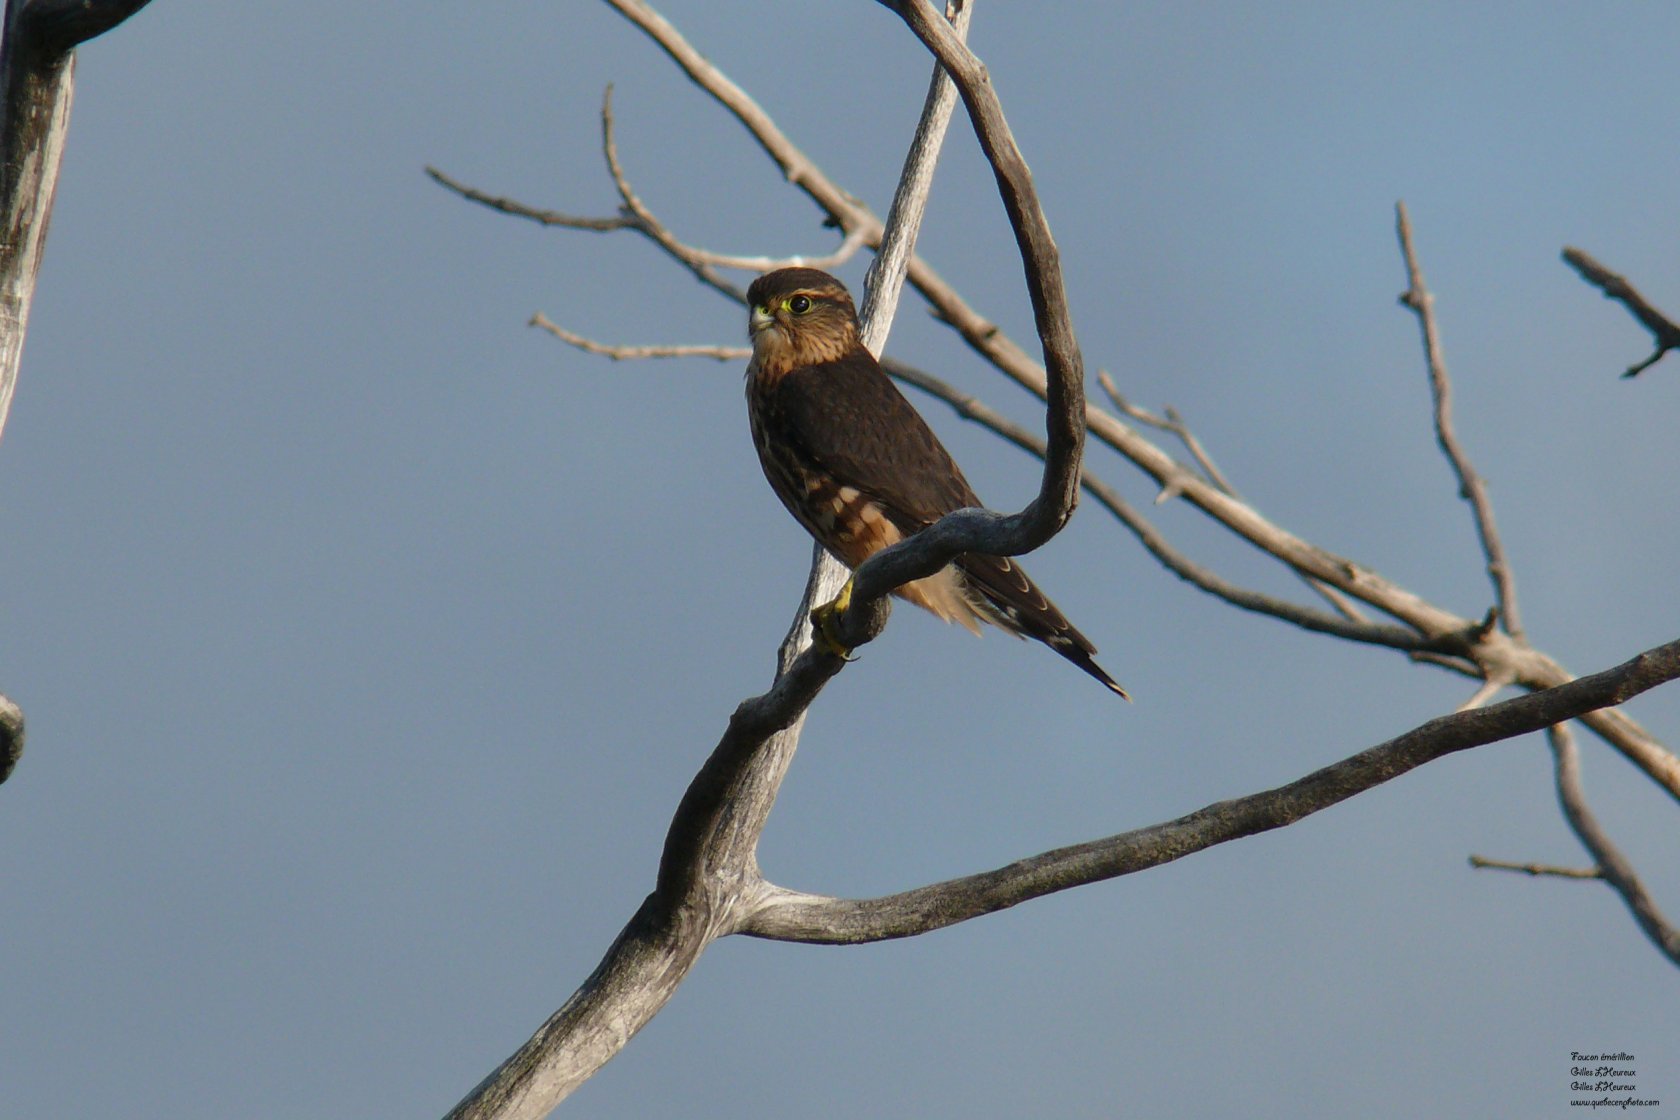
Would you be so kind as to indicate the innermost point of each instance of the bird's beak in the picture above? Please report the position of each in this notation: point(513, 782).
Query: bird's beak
point(759, 321)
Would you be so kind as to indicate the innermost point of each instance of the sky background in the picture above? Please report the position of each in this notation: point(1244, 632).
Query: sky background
point(368, 638)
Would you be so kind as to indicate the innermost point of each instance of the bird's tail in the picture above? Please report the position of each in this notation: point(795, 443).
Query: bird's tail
point(1013, 602)
point(1080, 655)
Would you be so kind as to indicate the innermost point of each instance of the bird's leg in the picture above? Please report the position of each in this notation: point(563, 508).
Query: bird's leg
point(825, 623)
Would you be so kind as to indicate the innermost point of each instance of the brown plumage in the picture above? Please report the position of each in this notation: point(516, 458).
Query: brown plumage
point(857, 466)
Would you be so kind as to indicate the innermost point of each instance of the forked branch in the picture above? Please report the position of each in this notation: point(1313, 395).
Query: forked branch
point(786, 915)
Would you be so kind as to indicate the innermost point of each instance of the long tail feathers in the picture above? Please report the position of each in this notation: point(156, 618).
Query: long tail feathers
point(1014, 603)
point(1082, 658)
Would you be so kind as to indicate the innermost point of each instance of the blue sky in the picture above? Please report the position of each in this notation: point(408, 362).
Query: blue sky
point(368, 637)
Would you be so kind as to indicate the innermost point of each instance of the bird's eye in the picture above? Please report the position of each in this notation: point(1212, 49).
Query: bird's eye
point(799, 305)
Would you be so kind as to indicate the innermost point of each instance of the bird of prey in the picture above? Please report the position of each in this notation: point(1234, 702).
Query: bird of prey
point(858, 467)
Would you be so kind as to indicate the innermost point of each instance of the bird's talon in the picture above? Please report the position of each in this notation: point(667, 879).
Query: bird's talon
point(825, 624)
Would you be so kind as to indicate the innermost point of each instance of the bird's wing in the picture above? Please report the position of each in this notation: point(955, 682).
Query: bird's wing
point(851, 418)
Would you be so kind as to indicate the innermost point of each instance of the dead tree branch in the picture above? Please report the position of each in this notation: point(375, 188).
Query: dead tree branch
point(787, 915)
point(1613, 866)
point(1471, 487)
point(1536, 870)
point(1664, 331)
point(37, 80)
point(620, 353)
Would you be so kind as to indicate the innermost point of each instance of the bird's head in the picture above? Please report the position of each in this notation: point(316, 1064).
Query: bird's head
point(799, 317)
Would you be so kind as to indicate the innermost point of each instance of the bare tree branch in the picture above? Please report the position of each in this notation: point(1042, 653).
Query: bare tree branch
point(37, 82)
point(37, 79)
point(1486, 691)
point(1664, 331)
point(702, 263)
point(1471, 488)
point(1612, 864)
point(521, 210)
point(1537, 870)
point(786, 915)
point(1170, 421)
point(35, 92)
point(620, 353)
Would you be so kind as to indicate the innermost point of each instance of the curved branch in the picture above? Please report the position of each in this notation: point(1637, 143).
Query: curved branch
point(1065, 426)
point(1613, 867)
point(517, 209)
point(63, 25)
point(785, 915)
point(974, 530)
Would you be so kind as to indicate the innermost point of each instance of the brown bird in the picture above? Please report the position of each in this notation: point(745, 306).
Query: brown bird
point(857, 465)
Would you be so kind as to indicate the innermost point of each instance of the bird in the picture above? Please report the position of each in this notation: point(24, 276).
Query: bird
point(859, 468)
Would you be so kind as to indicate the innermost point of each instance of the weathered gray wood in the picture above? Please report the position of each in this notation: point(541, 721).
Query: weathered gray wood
point(35, 92)
point(786, 915)
point(37, 78)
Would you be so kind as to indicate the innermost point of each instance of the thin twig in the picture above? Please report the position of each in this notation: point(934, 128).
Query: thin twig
point(620, 353)
point(701, 262)
point(1170, 421)
point(531, 213)
point(1616, 868)
point(1664, 331)
point(1539, 870)
point(1471, 488)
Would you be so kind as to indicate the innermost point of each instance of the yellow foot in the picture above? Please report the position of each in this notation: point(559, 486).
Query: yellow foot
point(825, 623)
